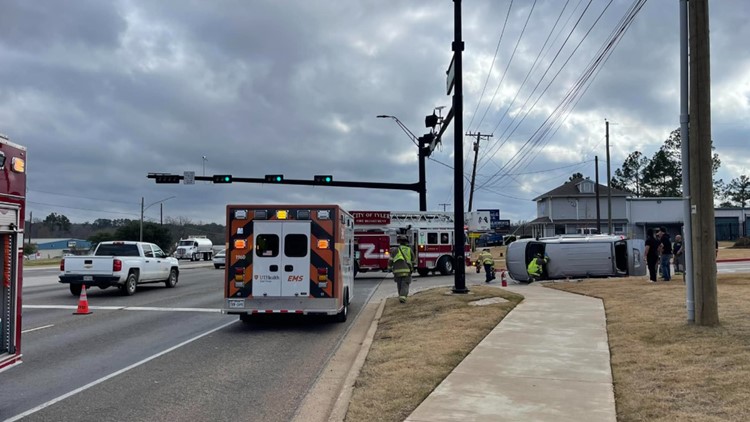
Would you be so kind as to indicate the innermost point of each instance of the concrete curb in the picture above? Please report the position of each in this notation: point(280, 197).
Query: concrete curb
point(342, 402)
point(732, 260)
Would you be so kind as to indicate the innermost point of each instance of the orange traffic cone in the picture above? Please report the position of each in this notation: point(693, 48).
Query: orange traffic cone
point(502, 278)
point(83, 303)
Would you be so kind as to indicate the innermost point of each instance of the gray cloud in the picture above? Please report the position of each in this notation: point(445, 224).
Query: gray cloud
point(103, 93)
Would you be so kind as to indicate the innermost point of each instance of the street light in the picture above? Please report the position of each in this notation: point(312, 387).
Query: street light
point(403, 127)
point(419, 143)
point(204, 164)
point(147, 207)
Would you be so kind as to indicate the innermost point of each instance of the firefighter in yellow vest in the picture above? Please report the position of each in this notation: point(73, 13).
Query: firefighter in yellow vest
point(485, 257)
point(536, 267)
point(402, 266)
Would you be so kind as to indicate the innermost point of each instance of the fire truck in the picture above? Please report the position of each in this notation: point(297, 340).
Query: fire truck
point(289, 259)
point(430, 235)
point(12, 211)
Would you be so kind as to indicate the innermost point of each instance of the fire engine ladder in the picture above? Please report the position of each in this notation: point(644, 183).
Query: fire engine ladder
point(423, 219)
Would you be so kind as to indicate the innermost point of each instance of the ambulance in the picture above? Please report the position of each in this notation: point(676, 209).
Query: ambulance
point(289, 259)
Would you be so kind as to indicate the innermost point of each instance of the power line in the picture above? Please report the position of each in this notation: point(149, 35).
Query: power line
point(505, 73)
point(82, 209)
point(82, 197)
point(531, 69)
point(499, 145)
point(524, 150)
point(575, 94)
point(492, 65)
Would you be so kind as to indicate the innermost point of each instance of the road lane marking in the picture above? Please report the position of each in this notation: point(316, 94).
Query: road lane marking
point(126, 308)
point(37, 328)
point(116, 373)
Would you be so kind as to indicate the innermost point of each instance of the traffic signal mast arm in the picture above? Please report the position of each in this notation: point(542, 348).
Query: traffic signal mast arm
point(369, 185)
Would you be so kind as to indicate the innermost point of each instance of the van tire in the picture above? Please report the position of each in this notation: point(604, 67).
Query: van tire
point(445, 265)
point(130, 286)
point(356, 268)
point(341, 316)
point(423, 272)
point(75, 289)
point(171, 281)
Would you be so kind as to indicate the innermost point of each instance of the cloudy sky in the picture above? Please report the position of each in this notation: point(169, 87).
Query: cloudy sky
point(104, 92)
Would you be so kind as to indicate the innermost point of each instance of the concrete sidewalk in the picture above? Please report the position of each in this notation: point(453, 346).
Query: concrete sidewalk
point(548, 360)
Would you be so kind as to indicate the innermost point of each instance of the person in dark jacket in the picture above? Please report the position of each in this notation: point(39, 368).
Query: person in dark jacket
point(652, 254)
point(665, 250)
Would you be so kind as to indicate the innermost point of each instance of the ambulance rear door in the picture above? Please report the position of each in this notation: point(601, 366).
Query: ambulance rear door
point(281, 264)
point(295, 251)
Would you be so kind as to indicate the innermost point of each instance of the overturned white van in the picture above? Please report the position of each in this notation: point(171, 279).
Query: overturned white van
point(578, 256)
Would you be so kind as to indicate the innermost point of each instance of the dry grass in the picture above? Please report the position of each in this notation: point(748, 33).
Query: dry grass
point(417, 345)
point(665, 369)
point(726, 251)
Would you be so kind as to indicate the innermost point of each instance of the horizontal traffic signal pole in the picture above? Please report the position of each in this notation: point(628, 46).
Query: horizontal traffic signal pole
point(303, 182)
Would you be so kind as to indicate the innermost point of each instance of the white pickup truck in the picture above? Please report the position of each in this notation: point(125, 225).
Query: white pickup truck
point(119, 264)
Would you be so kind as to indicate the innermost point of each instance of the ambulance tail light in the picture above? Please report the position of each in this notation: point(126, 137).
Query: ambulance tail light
point(116, 265)
point(239, 273)
point(322, 274)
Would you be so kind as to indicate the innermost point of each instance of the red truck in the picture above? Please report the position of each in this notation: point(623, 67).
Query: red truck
point(430, 236)
point(12, 211)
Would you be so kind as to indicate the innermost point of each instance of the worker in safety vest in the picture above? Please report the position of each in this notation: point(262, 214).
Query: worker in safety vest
point(402, 267)
point(536, 267)
point(486, 259)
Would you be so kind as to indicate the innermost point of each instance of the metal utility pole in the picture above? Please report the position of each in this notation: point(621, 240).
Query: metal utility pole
point(596, 189)
point(609, 184)
point(701, 176)
point(140, 237)
point(685, 152)
point(458, 156)
point(474, 168)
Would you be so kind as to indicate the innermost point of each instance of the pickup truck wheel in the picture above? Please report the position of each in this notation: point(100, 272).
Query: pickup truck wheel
point(423, 272)
point(172, 280)
point(75, 289)
point(445, 265)
point(128, 289)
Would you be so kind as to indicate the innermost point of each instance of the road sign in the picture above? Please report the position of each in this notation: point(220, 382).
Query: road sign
point(451, 79)
point(474, 235)
point(189, 178)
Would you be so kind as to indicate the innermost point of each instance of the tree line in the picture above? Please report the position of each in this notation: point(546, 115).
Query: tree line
point(661, 175)
point(165, 235)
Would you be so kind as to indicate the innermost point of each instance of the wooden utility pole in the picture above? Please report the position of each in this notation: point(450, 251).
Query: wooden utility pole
point(701, 176)
point(474, 168)
point(444, 206)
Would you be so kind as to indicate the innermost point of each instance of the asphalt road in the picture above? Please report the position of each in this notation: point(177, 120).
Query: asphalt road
point(162, 354)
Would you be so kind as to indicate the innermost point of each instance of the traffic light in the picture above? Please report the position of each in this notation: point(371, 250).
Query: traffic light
point(274, 178)
point(323, 178)
point(222, 178)
point(431, 121)
point(167, 178)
